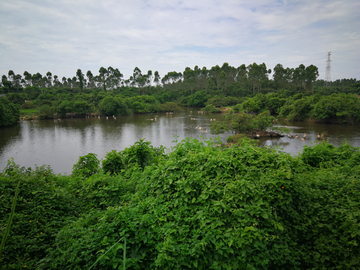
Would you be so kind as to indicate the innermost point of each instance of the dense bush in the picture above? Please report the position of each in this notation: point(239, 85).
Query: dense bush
point(223, 101)
point(168, 107)
point(242, 122)
point(143, 104)
point(198, 99)
point(44, 205)
point(9, 112)
point(113, 106)
point(139, 155)
point(341, 107)
point(86, 166)
point(212, 109)
point(198, 207)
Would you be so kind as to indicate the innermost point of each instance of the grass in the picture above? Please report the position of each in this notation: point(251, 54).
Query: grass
point(29, 112)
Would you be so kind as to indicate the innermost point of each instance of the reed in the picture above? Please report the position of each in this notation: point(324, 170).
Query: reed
point(124, 254)
point(8, 226)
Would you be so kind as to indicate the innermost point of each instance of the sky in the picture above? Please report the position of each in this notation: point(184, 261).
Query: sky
point(62, 36)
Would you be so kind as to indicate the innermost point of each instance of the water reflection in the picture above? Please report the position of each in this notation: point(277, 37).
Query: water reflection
point(335, 134)
point(60, 143)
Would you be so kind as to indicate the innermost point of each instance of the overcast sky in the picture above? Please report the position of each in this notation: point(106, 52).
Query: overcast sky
point(61, 36)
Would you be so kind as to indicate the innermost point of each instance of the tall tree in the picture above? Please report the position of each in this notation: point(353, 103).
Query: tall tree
point(215, 73)
point(64, 82)
point(279, 76)
point(49, 79)
point(80, 77)
point(7, 85)
point(11, 75)
point(36, 79)
point(203, 76)
point(56, 81)
point(311, 73)
point(223, 80)
point(299, 76)
point(74, 82)
point(103, 74)
point(257, 75)
point(90, 76)
point(117, 78)
point(189, 79)
point(230, 71)
point(157, 78)
point(28, 78)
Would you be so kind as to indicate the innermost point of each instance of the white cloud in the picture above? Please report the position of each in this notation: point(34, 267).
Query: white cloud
point(62, 36)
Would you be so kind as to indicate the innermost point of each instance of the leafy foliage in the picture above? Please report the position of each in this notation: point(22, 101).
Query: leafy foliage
point(86, 166)
point(211, 108)
point(140, 154)
point(9, 112)
point(242, 122)
point(198, 207)
point(113, 106)
point(43, 207)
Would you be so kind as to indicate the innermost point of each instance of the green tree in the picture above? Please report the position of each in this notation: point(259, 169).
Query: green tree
point(28, 78)
point(279, 76)
point(49, 79)
point(113, 106)
point(86, 166)
point(90, 76)
point(80, 77)
point(243, 123)
point(198, 99)
point(311, 73)
point(257, 75)
point(222, 81)
point(299, 77)
point(36, 79)
point(103, 74)
point(81, 107)
point(9, 112)
point(190, 79)
point(157, 78)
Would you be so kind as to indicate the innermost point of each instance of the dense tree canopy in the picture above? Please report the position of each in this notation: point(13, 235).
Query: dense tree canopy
point(9, 112)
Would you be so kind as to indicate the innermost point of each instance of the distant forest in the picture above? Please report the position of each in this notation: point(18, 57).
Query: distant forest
point(225, 80)
point(294, 93)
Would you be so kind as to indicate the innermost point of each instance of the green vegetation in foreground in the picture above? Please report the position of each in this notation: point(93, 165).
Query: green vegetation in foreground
point(196, 207)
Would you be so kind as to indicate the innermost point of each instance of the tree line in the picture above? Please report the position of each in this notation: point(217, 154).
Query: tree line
point(109, 94)
point(253, 78)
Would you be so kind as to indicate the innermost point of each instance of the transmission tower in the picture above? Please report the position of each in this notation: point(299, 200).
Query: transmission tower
point(328, 71)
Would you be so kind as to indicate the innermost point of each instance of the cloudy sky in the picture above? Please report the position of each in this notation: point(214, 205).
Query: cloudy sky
point(61, 36)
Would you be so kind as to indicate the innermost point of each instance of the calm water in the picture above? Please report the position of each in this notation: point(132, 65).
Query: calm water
point(60, 143)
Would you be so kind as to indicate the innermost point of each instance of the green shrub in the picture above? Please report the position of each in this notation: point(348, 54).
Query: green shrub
point(9, 112)
point(86, 166)
point(44, 206)
point(212, 109)
point(198, 207)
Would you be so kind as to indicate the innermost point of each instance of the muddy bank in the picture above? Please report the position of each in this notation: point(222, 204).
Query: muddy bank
point(258, 134)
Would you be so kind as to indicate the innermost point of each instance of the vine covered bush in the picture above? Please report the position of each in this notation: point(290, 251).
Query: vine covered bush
point(199, 206)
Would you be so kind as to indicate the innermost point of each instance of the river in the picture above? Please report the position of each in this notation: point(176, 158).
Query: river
point(59, 143)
